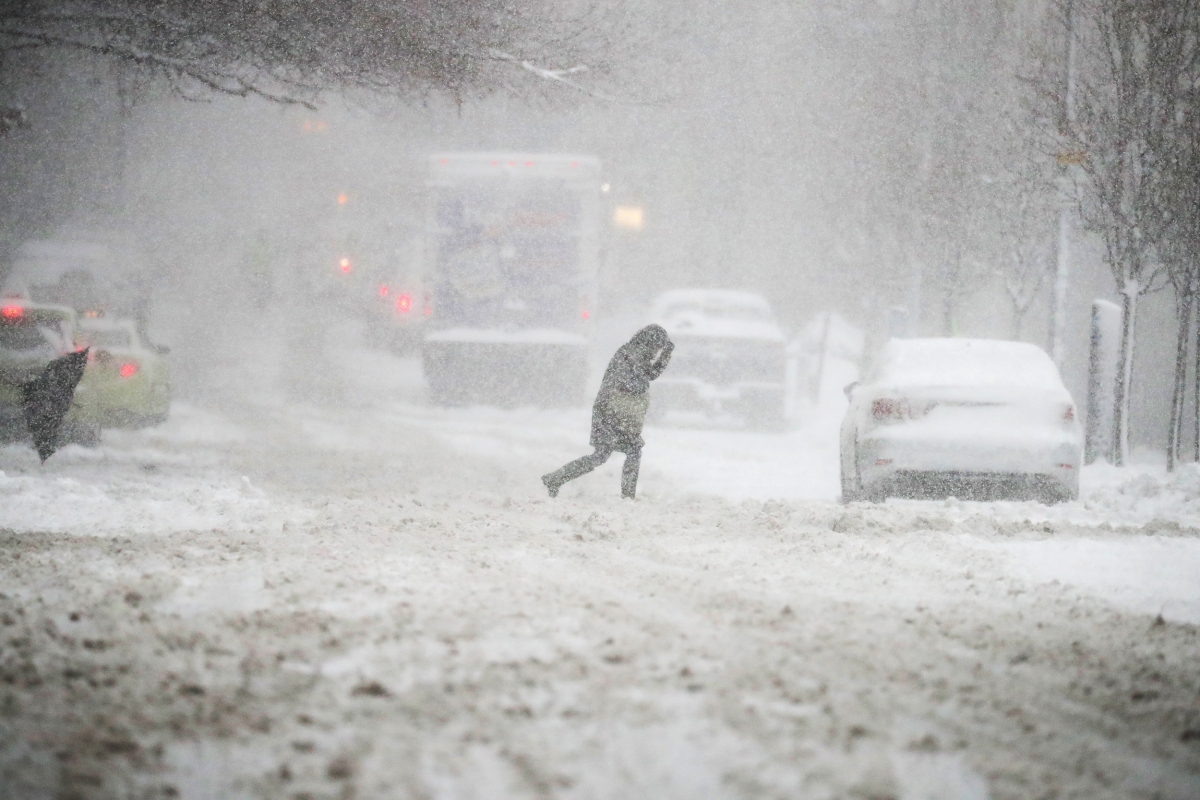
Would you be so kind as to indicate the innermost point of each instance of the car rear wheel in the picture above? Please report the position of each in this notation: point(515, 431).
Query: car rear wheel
point(769, 418)
point(850, 491)
point(1052, 496)
point(765, 409)
point(84, 434)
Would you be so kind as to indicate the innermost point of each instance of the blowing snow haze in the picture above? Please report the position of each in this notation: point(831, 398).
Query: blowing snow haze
point(911, 432)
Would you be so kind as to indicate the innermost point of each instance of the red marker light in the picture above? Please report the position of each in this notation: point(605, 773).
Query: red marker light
point(344, 265)
point(586, 314)
point(888, 409)
point(529, 163)
point(403, 303)
point(428, 310)
point(574, 164)
point(128, 369)
point(443, 161)
point(383, 291)
point(11, 312)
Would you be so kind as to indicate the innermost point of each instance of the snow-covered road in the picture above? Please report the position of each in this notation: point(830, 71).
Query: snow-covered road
point(372, 598)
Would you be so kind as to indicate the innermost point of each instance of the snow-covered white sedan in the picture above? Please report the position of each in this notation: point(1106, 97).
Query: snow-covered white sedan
point(968, 418)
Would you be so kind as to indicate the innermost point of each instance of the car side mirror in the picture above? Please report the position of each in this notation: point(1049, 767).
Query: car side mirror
point(849, 390)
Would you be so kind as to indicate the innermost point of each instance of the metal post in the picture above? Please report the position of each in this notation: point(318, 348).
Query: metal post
point(1058, 311)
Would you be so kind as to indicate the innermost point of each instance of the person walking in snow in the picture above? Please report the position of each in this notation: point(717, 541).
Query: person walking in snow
point(620, 409)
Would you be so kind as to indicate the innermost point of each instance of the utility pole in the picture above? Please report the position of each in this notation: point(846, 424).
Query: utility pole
point(1058, 309)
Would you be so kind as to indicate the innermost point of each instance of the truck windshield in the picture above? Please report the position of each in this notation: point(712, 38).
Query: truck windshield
point(111, 338)
point(507, 254)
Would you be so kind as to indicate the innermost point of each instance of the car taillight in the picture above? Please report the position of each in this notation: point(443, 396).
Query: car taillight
point(128, 369)
point(887, 409)
point(11, 312)
point(383, 290)
point(344, 266)
point(403, 304)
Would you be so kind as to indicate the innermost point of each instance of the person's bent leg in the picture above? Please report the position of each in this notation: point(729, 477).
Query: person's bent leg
point(629, 473)
point(580, 466)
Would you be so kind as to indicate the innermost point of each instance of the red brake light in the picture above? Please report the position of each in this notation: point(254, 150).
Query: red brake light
point(887, 409)
point(11, 312)
point(403, 303)
point(586, 314)
point(128, 369)
point(383, 291)
point(344, 265)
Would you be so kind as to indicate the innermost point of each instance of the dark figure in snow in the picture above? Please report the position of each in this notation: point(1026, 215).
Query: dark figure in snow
point(620, 409)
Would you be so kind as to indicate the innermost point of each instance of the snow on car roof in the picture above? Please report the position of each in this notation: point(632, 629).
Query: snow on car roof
point(966, 362)
point(106, 323)
point(712, 297)
point(720, 313)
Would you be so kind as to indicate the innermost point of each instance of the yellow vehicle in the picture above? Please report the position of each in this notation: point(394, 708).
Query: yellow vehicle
point(127, 383)
point(31, 336)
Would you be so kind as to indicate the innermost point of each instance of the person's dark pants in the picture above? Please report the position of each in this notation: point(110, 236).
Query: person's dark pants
point(582, 466)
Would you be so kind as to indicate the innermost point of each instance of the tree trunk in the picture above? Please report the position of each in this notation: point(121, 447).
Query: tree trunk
point(1120, 442)
point(948, 315)
point(1058, 303)
point(1196, 452)
point(1179, 394)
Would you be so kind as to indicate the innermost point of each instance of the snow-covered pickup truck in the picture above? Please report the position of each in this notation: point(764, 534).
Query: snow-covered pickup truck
point(730, 356)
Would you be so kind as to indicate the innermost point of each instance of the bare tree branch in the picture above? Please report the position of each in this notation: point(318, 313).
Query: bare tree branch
point(291, 51)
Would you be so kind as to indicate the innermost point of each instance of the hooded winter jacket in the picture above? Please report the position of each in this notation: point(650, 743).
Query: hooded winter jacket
point(620, 408)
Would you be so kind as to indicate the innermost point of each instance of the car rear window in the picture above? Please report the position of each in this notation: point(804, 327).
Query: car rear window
point(114, 338)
